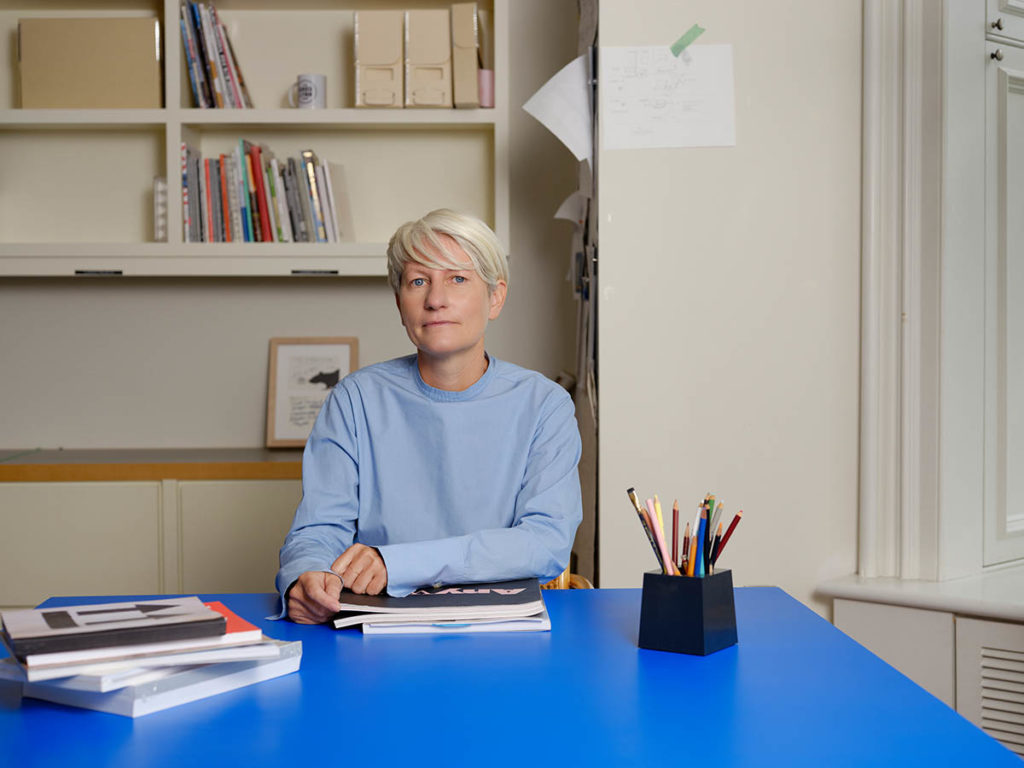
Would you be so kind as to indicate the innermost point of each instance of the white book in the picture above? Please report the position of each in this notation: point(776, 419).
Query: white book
point(234, 203)
point(104, 676)
point(331, 213)
point(185, 685)
point(539, 622)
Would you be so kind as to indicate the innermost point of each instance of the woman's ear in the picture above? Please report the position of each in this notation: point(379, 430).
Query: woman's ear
point(497, 299)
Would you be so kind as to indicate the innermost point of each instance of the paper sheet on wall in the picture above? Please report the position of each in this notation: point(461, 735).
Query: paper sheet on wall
point(563, 106)
point(650, 98)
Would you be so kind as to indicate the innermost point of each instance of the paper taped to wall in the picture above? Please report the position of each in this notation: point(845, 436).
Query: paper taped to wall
point(651, 98)
point(563, 106)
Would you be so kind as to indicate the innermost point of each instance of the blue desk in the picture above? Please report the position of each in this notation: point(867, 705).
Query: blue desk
point(794, 692)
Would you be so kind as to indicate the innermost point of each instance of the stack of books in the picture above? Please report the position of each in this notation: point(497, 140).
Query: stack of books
point(500, 606)
point(134, 658)
point(248, 195)
point(213, 68)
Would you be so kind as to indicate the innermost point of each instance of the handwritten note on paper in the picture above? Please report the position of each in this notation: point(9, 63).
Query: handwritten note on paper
point(650, 98)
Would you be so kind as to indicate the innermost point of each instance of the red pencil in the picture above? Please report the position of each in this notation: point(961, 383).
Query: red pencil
point(728, 533)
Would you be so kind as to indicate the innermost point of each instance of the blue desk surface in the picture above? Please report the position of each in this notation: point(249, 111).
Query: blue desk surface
point(794, 692)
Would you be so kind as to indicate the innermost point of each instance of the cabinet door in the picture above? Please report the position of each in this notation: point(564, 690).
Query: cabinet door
point(1005, 18)
point(990, 678)
point(1004, 305)
point(78, 539)
point(231, 531)
point(917, 642)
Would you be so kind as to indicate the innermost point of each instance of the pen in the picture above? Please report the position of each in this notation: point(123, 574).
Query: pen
point(686, 544)
point(675, 531)
point(631, 493)
point(716, 545)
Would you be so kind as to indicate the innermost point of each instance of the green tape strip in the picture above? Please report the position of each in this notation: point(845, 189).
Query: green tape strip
point(20, 453)
point(691, 34)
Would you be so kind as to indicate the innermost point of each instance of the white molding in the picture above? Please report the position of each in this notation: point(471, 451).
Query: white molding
point(882, 225)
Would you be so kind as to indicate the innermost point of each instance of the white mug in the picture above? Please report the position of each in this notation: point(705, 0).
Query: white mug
point(308, 92)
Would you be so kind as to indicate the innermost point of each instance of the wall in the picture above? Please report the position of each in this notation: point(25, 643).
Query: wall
point(729, 300)
point(144, 363)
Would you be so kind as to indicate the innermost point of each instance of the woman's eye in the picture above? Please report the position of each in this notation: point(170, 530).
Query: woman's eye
point(417, 281)
point(459, 279)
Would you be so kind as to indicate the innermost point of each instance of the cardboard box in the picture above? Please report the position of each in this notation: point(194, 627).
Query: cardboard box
point(379, 62)
point(466, 93)
point(428, 58)
point(89, 63)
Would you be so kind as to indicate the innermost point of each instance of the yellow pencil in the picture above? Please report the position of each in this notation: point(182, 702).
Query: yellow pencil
point(657, 511)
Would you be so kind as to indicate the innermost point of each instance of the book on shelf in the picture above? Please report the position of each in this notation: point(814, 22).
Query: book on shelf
point(34, 631)
point(214, 73)
point(502, 606)
point(251, 195)
point(170, 687)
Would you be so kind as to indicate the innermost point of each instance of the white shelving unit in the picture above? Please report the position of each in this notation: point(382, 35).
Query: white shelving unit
point(76, 191)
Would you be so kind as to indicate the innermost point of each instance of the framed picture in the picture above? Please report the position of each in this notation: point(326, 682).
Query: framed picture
point(303, 371)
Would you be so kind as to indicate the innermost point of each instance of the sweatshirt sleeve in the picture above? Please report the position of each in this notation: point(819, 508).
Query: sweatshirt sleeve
point(548, 510)
point(325, 521)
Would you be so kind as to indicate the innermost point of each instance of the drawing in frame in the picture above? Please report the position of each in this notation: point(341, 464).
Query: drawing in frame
point(303, 370)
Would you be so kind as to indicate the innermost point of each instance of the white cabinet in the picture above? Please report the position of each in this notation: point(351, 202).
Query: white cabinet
point(135, 522)
point(990, 678)
point(231, 532)
point(1004, 302)
point(975, 665)
point(79, 538)
point(919, 643)
point(77, 191)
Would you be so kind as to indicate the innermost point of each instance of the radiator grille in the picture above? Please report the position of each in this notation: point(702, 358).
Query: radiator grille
point(1002, 696)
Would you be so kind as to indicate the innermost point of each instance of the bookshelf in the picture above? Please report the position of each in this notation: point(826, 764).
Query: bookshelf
point(76, 198)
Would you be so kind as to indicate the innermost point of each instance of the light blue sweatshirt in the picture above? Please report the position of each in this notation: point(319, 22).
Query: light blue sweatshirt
point(451, 487)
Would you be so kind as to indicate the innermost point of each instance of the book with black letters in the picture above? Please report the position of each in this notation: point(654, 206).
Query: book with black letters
point(499, 606)
point(53, 630)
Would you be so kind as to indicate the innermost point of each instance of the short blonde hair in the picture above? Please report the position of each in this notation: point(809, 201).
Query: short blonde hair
point(419, 241)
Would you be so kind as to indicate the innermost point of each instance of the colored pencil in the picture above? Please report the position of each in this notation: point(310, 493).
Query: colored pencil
point(728, 533)
point(699, 570)
point(659, 537)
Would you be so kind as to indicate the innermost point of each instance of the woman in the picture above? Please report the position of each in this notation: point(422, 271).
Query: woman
point(446, 466)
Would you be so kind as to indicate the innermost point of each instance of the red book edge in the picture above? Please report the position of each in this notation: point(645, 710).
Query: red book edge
point(225, 206)
point(211, 230)
point(261, 194)
point(235, 623)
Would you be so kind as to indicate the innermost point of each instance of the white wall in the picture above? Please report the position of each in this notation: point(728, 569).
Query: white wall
point(144, 363)
point(729, 299)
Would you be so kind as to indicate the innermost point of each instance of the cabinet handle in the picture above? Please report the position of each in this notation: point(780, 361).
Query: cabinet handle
point(997, 54)
point(997, 24)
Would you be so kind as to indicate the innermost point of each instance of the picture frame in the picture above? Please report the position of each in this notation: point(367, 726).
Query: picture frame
point(302, 372)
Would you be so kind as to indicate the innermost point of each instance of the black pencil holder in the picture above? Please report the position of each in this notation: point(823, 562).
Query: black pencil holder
point(686, 614)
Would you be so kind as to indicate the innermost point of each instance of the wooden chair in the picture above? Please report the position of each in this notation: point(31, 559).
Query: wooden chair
point(566, 580)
